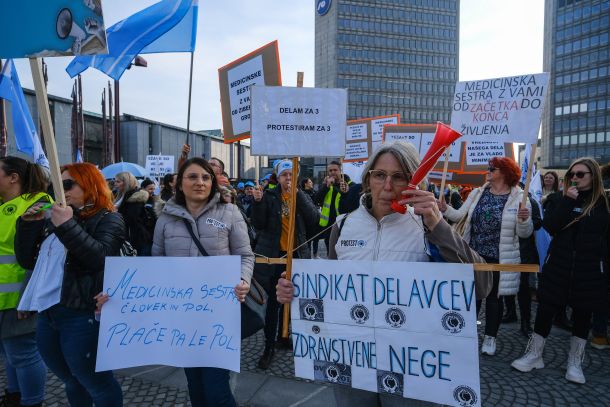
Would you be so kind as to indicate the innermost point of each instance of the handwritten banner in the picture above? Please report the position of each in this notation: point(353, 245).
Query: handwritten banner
point(159, 165)
point(175, 311)
point(298, 122)
point(260, 67)
point(501, 109)
point(407, 329)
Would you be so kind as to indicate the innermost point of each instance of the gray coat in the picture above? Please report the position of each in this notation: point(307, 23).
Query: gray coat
point(221, 229)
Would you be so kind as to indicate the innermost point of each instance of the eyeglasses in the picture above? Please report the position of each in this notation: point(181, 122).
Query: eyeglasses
point(68, 184)
point(491, 169)
point(578, 174)
point(195, 177)
point(399, 179)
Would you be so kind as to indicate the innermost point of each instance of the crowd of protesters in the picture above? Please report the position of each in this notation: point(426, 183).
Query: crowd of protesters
point(106, 217)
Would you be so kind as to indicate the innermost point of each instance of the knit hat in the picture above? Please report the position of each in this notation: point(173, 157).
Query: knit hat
point(282, 166)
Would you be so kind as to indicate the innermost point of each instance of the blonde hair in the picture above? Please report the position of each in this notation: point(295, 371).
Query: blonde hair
point(130, 182)
point(597, 186)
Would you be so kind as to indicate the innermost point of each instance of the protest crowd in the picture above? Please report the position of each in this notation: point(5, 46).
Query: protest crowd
point(108, 218)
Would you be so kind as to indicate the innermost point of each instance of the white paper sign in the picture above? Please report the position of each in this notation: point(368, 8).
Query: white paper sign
point(479, 153)
point(355, 151)
point(377, 127)
point(354, 170)
point(241, 78)
point(356, 132)
point(439, 175)
point(298, 122)
point(501, 109)
point(174, 311)
point(389, 327)
point(426, 142)
point(159, 165)
point(413, 138)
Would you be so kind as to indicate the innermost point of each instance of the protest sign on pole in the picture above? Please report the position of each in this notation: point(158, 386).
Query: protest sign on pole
point(51, 28)
point(407, 329)
point(261, 68)
point(363, 136)
point(500, 109)
point(297, 122)
point(159, 165)
point(174, 311)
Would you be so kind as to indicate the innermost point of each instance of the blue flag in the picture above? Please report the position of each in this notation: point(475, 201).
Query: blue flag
point(26, 135)
point(166, 26)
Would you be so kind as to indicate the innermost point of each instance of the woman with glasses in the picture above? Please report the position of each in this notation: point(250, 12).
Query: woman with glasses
point(575, 269)
point(400, 237)
point(198, 200)
point(494, 222)
point(22, 184)
point(67, 246)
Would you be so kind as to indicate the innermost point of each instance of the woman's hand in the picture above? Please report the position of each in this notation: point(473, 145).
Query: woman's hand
point(61, 213)
point(523, 213)
point(424, 204)
point(241, 290)
point(284, 290)
point(100, 299)
point(442, 205)
point(34, 213)
point(24, 314)
point(572, 192)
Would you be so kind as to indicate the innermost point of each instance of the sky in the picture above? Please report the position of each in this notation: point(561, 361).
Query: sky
point(497, 38)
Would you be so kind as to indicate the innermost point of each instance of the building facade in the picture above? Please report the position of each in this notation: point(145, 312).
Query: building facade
point(139, 137)
point(576, 121)
point(393, 56)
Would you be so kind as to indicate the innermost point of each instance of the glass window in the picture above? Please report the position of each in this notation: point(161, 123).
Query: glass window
point(583, 107)
point(557, 141)
point(574, 139)
point(574, 108)
point(582, 138)
point(591, 138)
point(558, 111)
point(600, 137)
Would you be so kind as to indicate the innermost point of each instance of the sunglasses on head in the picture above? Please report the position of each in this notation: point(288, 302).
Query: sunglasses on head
point(68, 184)
point(578, 174)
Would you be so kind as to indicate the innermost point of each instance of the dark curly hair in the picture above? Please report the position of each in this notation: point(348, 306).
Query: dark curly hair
point(509, 168)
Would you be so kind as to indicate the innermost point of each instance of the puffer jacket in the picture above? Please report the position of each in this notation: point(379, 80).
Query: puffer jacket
point(88, 242)
point(139, 220)
point(510, 233)
point(221, 229)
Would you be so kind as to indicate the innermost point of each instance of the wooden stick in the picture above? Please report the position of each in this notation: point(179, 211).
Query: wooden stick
point(292, 224)
point(47, 126)
point(528, 180)
point(441, 193)
point(519, 268)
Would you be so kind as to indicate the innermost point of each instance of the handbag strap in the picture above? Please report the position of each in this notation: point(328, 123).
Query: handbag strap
point(189, 227)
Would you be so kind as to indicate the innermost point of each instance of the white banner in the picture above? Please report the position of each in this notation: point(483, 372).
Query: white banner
point(174, 311)
point(377, 127)
point(355, 151)
point(298, 122)
point(401, 328)
point(241, 78)
point(454, 156)
point(356, 132)
point(159, 165)
point(501, 109)
point(413, 138)
point(479, 153)
point(354, 170)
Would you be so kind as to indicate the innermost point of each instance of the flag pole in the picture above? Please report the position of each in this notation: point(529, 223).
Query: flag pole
point(441, 193)
point(45, 116)
point(188, 116)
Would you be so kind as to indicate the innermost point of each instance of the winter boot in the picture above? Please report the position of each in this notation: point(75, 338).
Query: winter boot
point(532, 358)
point(489, 345)
point(575, 357)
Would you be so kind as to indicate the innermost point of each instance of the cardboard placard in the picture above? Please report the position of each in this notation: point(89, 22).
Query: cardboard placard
point(501, 109)
point(298, 122)
point(363, 136)
point(260, 67)
point(51, 28)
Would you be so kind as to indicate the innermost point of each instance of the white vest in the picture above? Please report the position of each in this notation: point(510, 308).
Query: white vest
point(395, 238)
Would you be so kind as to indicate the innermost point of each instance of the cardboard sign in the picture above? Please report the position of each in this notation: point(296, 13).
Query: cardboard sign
point(363, 136)
point(51, 28)
point(501, 109)
point(261, 68)
point(174, 311)
point(298, 122)
point(407, 329)
point(159, 165)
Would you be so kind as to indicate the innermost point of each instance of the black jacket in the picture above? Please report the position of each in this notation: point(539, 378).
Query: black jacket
point(88, 242)
point(527, 247)
point(575, 270)
point(139, 219)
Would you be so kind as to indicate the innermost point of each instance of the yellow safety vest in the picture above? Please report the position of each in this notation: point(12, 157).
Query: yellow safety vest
point(325, 215)
point(11, 274)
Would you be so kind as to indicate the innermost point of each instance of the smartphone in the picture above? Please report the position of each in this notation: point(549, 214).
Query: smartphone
point(44, 207)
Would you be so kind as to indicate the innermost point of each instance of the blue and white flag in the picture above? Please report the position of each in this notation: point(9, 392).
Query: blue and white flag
point(79, 156)
point(543, 239)
point(166, 26)
point(526, 162)
point(26, 134)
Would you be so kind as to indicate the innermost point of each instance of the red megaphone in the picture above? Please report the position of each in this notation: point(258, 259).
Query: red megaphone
point(443, 138)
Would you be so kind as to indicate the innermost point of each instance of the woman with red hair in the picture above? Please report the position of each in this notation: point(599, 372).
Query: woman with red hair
point(494, 222)
point(75, 239)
